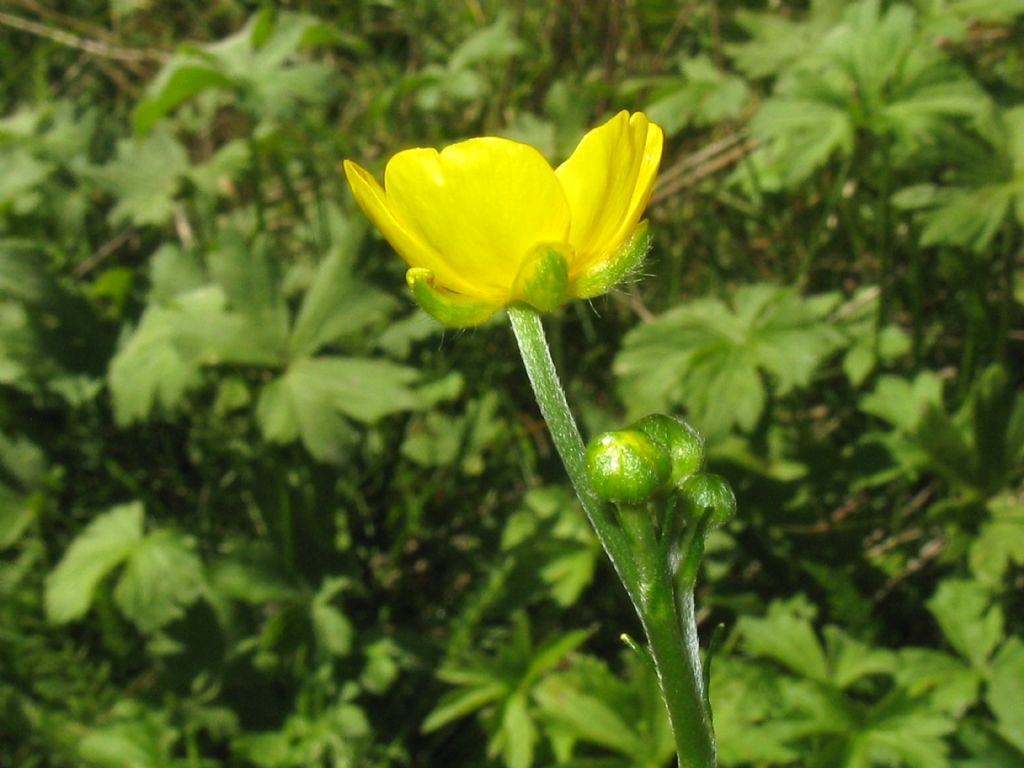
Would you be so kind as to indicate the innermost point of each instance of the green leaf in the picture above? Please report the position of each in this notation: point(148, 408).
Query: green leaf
point(382, 668)
point(1006, 691)
point(787, 638)
point(16, 514)
point(588, 717)
point(572, 552)
point(777, 41)
point(251, 574)
point(916, 114)
point(333, 630)
point(904, 403)
point(217, 176)
point(315, 398)
point(966, 450)
point(587, 702)
point(874, 73)
point(867, 349)
point(950, 685)
point(52, 341)
point(162, 359)
point(440, 439)
point(23, 476)
point(993, 408)
point(768, 458)
point(820, 709)
point(1000, 541)
point(22, 277)
point(966, 217)
point(553, 652)
point(265, 749)
point(949, 451)
point(904, 730)
point(335, 305)
point(22, 174)
point(260, 63)
point(709, 356)
point(161, 577)
point(519, 732)
point(134, 740)
point(144, 178)
point(398, 338)
point(496, 42)
point(434, 84)
point(121, 9)
point(150, 369)
point(276, 413)
point(1013, 120)
point(104, 545)
point(457, 704)
point(251, 278)
point(159, 362)
point(986, 187)
point(971, 624)
point(752, 723)
point(992, 11)
point(987, 748)
point(174, 271)
point(801, 133)
point(178, 81)
point(724, 388)
point(703, 96)
point(850, 660)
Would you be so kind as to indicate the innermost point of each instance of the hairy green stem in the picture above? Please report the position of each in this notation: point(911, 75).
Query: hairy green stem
point(674, 644)
point(533, 348)
point(671, 628)
point(636, 556)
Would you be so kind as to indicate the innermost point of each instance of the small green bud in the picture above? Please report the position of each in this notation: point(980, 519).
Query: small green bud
point(626, 466)
point(702, 491)
point(684, 444)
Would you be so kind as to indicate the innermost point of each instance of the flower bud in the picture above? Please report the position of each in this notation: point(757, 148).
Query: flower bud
point(683, 443)
point(626, 466)
point(704, 491)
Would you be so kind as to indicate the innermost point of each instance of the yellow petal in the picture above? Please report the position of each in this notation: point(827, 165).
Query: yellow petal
point(608, 180)
point(482, 205)
point(650, 161)
point(371, 198)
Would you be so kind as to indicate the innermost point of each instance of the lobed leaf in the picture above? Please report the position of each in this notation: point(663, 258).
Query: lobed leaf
point(101, 547)
point(710, 356)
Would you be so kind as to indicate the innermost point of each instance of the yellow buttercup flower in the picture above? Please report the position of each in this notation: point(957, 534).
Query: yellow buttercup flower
point(487, 222)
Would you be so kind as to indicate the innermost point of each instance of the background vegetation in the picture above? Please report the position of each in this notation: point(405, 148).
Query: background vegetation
point(257, 510)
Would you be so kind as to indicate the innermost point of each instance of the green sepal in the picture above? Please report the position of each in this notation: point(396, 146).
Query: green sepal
point(626, 260)
point(449, 308)
point(543, 278)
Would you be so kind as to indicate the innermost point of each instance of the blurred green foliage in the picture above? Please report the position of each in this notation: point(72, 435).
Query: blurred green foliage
point(257, 510)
